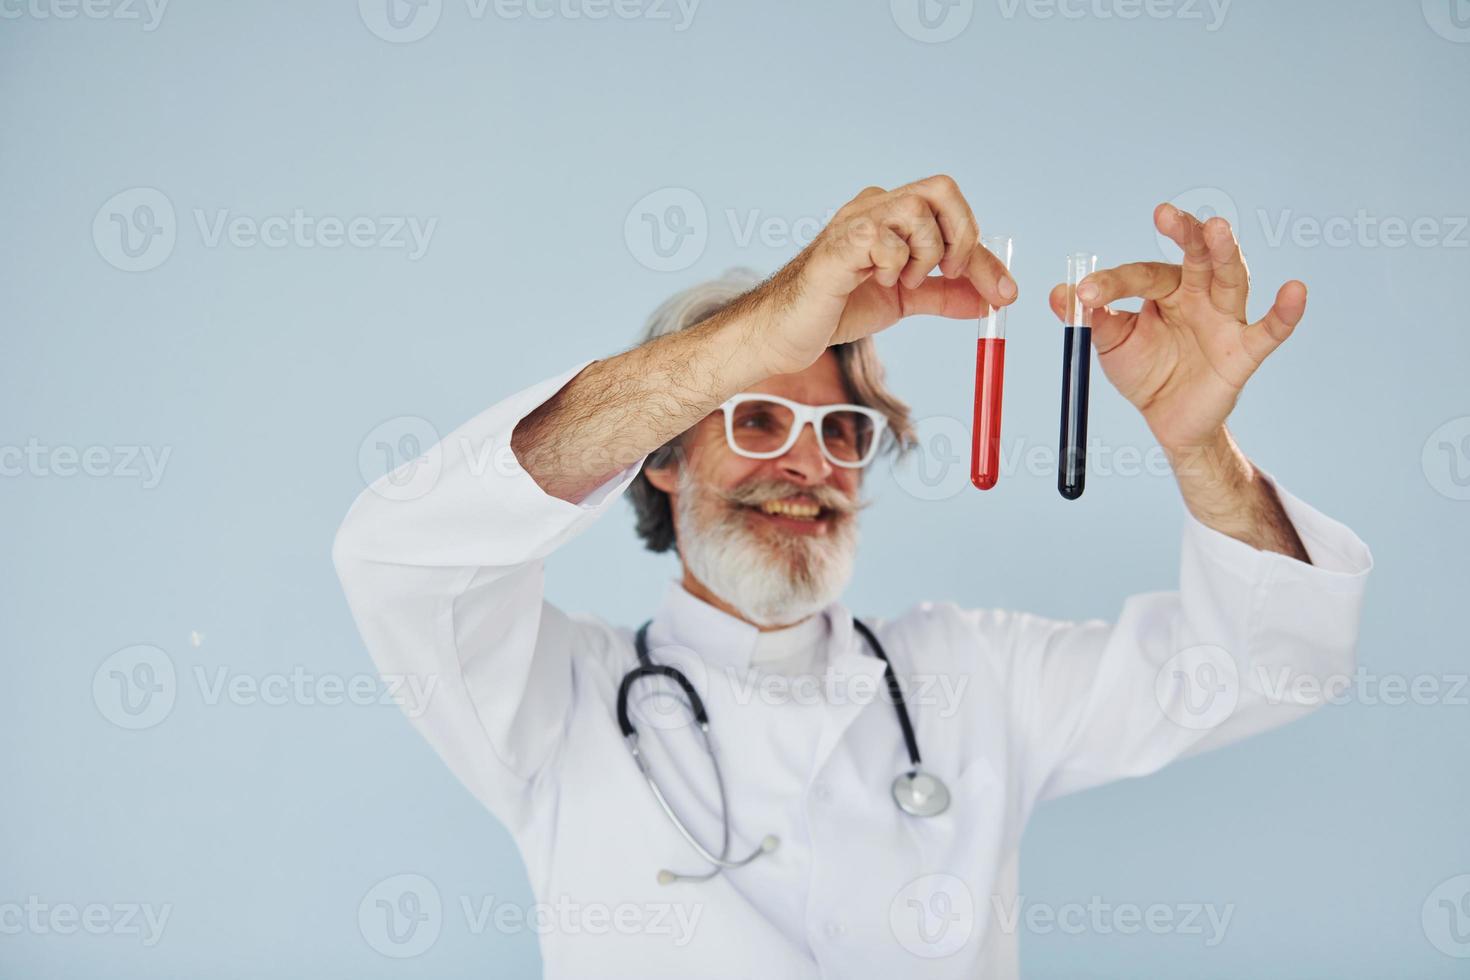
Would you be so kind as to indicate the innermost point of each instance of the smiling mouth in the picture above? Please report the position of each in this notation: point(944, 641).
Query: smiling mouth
point(796, 510)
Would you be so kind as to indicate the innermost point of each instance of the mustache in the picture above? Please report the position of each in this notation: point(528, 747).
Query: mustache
point(757, 492)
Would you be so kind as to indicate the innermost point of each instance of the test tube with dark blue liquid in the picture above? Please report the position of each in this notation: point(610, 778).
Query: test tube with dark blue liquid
point(1076, 368)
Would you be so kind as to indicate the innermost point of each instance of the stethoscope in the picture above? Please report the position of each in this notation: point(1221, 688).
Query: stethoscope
point(917, 793)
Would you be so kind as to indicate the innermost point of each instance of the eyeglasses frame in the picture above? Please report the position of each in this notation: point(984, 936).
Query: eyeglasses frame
point(803, 414)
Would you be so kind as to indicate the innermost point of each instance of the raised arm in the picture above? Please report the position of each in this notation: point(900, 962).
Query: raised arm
point(446, 585)
point(868, 269)
point(1270, 591)
point(1183, 359)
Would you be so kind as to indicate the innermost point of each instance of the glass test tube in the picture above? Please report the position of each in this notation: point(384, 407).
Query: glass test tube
point(990, 360)
point(1076, 367)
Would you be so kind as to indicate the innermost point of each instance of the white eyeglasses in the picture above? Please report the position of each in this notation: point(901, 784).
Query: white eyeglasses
point(766, 426)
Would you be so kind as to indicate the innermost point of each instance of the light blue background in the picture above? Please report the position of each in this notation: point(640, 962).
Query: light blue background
point(263, 370)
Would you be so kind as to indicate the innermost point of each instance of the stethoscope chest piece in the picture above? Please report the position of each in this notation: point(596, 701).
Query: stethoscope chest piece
point(919, 794)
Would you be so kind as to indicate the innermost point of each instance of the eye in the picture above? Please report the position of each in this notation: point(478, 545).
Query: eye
point(759, 419)
point(837, 428)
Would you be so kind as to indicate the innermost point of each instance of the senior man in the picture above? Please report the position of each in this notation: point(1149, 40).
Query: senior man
point(691, 817)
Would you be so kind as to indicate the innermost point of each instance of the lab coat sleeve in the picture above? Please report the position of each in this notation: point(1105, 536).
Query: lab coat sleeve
point(1251, 640)
point(442, 565)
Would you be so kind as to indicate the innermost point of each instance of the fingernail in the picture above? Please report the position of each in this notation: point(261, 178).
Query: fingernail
point(1008, 287)
point(1087, 292)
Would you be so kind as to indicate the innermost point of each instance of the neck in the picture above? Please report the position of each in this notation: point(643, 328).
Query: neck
point(698, 589)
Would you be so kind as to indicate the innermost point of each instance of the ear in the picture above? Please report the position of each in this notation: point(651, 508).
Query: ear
point(666, 477)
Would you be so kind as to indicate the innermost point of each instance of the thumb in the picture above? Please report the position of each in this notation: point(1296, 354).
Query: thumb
point(1264, 336)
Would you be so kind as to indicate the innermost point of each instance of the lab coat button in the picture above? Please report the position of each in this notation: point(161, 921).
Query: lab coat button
point(822, 793)
point(835, 930)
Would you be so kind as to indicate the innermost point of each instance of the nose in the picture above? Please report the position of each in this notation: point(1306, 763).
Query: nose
point(804, 463)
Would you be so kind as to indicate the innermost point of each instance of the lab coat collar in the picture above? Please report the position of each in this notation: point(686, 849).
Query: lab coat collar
point(722, 640)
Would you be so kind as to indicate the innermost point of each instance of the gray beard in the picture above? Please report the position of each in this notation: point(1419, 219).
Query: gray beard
point(771, 580)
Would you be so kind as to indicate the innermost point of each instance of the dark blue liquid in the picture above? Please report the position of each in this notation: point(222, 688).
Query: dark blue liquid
point(1072, 456)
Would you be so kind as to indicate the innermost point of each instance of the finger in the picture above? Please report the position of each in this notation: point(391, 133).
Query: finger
point(937, 296)
point(1109, 327)
point(1230, 283)
point(857, 202)
point(889, 254)
point(990, 277)
point(1268, 333)
point(1145, 280)
point(1185, 230)
point(956, 221)
point(910, 216)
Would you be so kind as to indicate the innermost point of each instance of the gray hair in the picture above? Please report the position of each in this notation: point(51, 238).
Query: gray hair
point(858, 362)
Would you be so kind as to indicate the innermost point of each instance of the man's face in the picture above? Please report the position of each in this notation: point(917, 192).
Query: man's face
point(774, 538)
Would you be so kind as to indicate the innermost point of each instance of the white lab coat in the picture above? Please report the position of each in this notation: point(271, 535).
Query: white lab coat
point(1010, 709)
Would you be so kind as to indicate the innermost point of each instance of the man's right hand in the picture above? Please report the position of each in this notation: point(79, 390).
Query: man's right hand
point(869, 268)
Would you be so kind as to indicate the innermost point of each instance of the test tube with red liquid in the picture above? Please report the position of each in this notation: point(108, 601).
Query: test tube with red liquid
point(990, 369)
point(1076, 379)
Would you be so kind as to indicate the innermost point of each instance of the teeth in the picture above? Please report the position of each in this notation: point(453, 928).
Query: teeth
point(791, 508)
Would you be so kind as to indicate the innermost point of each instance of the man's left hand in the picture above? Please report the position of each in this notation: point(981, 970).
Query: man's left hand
point(1183, 358)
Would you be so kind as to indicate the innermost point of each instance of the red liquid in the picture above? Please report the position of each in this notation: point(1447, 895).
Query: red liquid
point(990, 367)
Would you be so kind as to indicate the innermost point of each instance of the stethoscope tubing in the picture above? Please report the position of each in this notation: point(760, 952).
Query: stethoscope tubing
point(722, 861)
